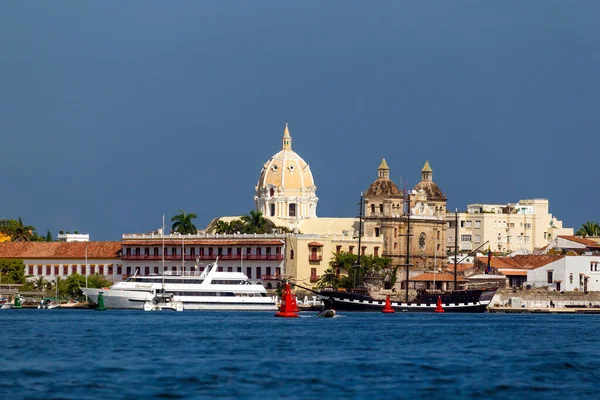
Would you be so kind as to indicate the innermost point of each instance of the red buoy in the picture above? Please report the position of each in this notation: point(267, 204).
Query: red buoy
point(388, 306)
point(439, 308)
point(295, 304)
point(286, 310)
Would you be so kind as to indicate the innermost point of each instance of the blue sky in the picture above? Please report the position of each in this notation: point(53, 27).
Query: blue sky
point(113, 113)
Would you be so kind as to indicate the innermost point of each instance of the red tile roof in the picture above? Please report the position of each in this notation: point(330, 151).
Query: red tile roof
point(529, 261)
point(580, 240)
point(459, 267)
point(442, 277)
point(75, 250)
point(315, 244)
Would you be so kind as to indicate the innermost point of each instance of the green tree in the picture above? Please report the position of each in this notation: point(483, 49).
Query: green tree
point(255, 222)
point(72, 285)
point(222, 227)
point(12, 271)
point(19, 232)
point(182, 223)
point(48, 236)
point(354, 274)
point(590, 228)
point(40, 283)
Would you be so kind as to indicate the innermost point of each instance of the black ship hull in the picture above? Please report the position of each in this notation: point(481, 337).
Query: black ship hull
point(470, 301)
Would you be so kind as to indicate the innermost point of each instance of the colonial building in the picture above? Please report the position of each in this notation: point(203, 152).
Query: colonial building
point(387, 213)
point(524, 226)
point(61, 259)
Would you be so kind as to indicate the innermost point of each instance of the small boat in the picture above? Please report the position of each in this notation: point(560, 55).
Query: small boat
point(163, 301)
point(328, 313)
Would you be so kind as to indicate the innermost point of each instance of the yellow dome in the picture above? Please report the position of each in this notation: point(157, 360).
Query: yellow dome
point(286, 188)
point(286, 169)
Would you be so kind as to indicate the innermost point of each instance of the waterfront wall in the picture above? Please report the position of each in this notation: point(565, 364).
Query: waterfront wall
point(541, 298)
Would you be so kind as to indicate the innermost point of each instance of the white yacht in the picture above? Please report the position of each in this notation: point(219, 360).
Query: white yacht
point(207, 290)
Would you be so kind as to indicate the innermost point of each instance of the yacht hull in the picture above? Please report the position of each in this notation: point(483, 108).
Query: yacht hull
point(135, 300)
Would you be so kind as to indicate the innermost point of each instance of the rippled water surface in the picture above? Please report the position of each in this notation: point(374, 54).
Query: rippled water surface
point(66, 354)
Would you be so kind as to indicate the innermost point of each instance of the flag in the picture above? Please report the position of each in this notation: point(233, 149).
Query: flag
point(489, 263)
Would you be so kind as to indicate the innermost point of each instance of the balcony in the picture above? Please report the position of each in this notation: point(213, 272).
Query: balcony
point(272, 277)
point(314, 278)
point(315, 257)
point(189, 257)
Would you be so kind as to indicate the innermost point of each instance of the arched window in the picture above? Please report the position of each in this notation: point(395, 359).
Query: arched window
point(271, 192)
point(395, 245)
point(422, 240)
point(373, 208)
point(381, 208)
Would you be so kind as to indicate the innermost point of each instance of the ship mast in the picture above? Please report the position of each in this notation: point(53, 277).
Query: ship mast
point(163, 252)
point(360, 228)
point(407, 265)
point(455, 245)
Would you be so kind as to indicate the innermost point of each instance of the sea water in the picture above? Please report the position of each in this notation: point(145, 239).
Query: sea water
point(82, 354)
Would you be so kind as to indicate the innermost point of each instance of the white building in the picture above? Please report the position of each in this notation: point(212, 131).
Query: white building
point(570, 273)
point(525, 226)
point(73, 237)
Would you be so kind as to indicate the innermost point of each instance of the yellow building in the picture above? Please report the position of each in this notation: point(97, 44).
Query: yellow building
point(4, 238)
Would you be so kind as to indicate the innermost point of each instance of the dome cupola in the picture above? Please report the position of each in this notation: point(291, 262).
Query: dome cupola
point(286, 187)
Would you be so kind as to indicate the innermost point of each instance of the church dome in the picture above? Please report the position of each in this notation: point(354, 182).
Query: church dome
point(286, 169)
point(383, 186)
point(285, 187)
point(431, 189)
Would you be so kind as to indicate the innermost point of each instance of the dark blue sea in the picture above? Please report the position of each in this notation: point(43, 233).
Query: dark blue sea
point(82, 354)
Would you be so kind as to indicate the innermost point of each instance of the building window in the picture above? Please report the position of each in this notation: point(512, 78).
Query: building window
point(137, 251)
point(338, 249)
point(146, 270)
point(156, 251)
point(465, 238)
point(258, 272)
point(376, 251)
point(249, 272)
point(65, 270)
point(73, 269)
point(550, 276)
point(438, 235)
point(477, 224)
point(174, 251)
point(527, 225)
point(101, 270)
point(119, 270)
point(147, 251)
point(30, 268)
point(468, 224)
point(376, 232)
point(229, 269)
point(272, 207)
point(156, 270)
point(363, 250)
point(291, 254)
point(395, 245)
point(351, 250)
point(422, 238)
point(292, 208)
point(477, 238)
point(381, 208)
point(395, 232)
point(373, 208)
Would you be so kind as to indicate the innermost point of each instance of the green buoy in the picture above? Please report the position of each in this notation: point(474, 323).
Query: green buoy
point(100, 306)
point(17, 302)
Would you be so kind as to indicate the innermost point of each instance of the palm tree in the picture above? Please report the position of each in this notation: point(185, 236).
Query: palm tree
point(222, 227)
point(40, 283)
point(255, 222)
point(590, 228)
point(182, 223)
point(19, 232)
